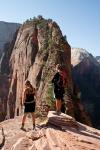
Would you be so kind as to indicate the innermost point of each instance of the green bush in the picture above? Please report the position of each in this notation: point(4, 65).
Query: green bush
point(50, 96)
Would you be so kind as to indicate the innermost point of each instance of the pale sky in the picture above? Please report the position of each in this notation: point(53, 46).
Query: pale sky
point(79, 20)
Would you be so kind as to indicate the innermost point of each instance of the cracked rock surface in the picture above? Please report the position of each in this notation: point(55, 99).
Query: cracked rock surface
point(49, 135)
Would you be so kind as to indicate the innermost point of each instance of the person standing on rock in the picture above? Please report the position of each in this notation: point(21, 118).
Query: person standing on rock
point(58, 87)
point(28, 101)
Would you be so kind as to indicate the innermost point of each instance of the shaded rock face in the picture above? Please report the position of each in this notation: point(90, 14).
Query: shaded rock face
point(5, 78)
point(7, 31)
point(51, 135)
point(4, 86)
point(7, 51)
point(86, 74)
point(98, 59)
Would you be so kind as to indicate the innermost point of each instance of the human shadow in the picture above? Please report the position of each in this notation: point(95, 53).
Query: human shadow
point(81, 130)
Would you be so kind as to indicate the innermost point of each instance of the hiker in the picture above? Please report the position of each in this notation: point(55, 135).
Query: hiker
point(29, 103)
point(58, 81)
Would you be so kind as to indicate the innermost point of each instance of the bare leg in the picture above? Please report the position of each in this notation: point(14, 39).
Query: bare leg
point(58, 105)
point(33, 119)
point(23, 120)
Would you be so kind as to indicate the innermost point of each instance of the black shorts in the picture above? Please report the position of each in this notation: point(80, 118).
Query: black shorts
point(29, 107)
point(59, 93)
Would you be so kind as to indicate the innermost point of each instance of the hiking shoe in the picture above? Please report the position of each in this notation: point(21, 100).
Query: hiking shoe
point(22, 128)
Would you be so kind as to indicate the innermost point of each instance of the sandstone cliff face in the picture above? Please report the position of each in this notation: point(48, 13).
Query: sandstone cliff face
point(4, 86)
point(39, 46)
point(5, 78)
point(86, 74)
point(7, 40)
point(33, 54)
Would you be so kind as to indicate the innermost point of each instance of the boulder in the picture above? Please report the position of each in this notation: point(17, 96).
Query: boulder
point(62, 120)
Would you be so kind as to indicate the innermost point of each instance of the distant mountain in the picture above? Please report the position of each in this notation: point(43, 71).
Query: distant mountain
point(7, 31)
point(78, 55)
point(98, 59)
point(86, 74)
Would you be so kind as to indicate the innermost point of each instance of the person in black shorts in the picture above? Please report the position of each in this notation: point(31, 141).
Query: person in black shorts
point(29, 102)
point(58, 88)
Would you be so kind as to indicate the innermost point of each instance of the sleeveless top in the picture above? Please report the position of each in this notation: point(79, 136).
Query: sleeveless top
point(29, 98)
point(57, 80)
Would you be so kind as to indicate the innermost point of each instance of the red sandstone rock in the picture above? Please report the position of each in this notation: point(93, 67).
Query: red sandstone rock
point(49, 137)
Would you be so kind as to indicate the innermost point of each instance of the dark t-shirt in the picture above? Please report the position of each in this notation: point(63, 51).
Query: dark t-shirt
point(57, 80)
point(29, 97)
point(58, 86)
